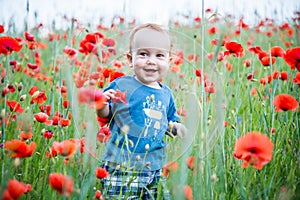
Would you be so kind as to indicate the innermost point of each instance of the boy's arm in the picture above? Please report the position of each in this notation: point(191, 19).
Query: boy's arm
point(105, 110)
point(176, 129)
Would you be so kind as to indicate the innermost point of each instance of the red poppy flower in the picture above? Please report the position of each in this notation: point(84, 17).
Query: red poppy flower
point(234, 48)
point(104, 134)
point(254, 148)
point(65, 148)
point(48, 134)
point(255, 49)
point(8, 45)
point(284, 75)
point(25, 135)
point(98, 195)
point(266, 61)
point(167, 168)
point(190, 162)
point(15, 189)
point(41, 117)
point(15, 106)
point(72, 53)
point(92, 96)
point(277, 51)
point(19, 149)
point(285, 102)
point(292, 58)
point(101, 173)
point(1, 28)
point(115, 74)
point(29, 37)
point(45, 108)
point(188, 192)
point(297, 79)
point(108, 42)
point(39, 97)
point(62, 184)
point(120, 97)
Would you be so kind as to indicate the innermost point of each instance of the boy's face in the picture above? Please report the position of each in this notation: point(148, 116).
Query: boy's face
point(150, 56)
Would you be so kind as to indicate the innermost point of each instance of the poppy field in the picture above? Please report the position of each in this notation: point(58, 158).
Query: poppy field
point(236, 87)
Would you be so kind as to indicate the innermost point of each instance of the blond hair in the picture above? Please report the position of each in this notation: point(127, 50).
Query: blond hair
point(152, 26)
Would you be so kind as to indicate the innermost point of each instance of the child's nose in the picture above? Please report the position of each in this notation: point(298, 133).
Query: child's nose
point(150, 61)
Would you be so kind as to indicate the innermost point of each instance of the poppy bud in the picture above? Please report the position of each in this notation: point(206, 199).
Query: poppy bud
point(20, 86)
point(23, 97)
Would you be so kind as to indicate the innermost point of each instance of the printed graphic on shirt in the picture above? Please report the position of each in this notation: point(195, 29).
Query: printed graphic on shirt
point(153, 113)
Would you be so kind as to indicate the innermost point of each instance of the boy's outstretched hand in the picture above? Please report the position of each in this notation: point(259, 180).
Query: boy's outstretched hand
point(176, 129)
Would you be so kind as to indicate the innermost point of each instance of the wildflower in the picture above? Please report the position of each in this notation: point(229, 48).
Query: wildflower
point(92, 96)
point(104, 134)
point(292, 58)
point(62, 184)
point(120, 97)
point(266, 61)
point(38, 97)
point(188, 192)
point(42, 118)
point(285, 102)
point(48, 134)
point(15, 106)
point(98, 195)
point(2, 29)
point(15, 189)
point(190, 162)
point(297, 79)
point(277, 51)
point(234, 48)
point(254, 148)
point(101, 173)
point(8, 45)
point(65, 148)
point(108, 42)
point(72, 53)
point(19, 149)
point(167, 168)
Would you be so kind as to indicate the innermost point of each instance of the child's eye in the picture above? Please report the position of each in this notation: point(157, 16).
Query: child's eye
point(160, 55)
point(143, 54)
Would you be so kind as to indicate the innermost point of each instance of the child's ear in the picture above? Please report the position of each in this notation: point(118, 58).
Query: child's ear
point(129, 57)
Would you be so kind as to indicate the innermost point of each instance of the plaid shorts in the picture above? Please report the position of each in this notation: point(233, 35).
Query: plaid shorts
point(129, 185)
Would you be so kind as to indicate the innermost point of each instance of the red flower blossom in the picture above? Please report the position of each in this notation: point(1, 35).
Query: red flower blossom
point(25, 135)
point(101, 173)
point(48, 134)
point(15, 106)
point(115, 74)
point(98, 195)
point(292, 58)
point(92, 96)
point(62, 184)
point(1, 28)
point(8, 45)
point(102, 121)
point(285, 102)
point(29, 37)
point(277, 51)
point(19, 149)
point(72, 53)
point(167, 168)
point(65, 148)
point(234, 48)
point(255, 149)
point(120, 97)
point(266, 61)
point(15, 189)
point(297, 79)
point(42, 117)
point(284, 75)
point(108, 42)
point(190, 162)
point(39, 97)
point(188, 192)
point(104, 134)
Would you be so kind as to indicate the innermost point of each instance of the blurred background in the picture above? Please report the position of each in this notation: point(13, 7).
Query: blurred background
point(106, 11)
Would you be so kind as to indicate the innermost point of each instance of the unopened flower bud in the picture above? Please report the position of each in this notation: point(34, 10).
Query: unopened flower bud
point(17, 162)
point(2, 113)
point(125, 129)
point(23, 97)
point(20, 86)
point(137, 158)
point(147, 147)
point(213, 177)
point(130, 143)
